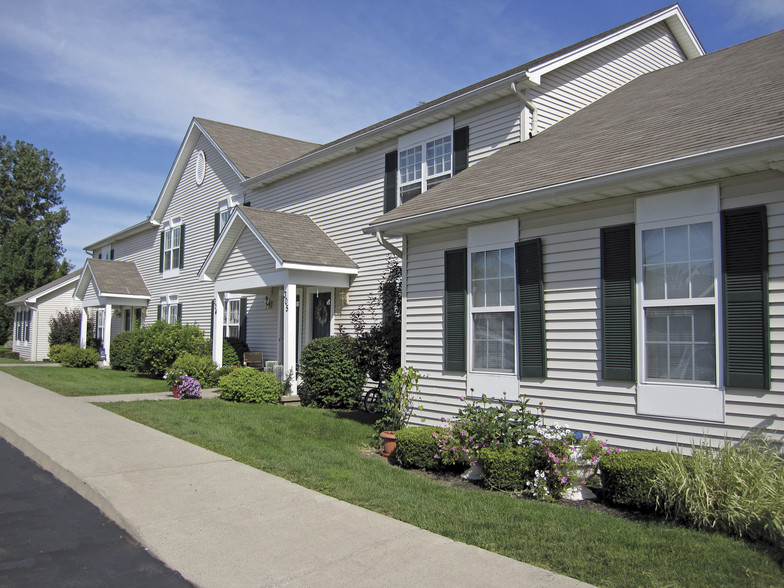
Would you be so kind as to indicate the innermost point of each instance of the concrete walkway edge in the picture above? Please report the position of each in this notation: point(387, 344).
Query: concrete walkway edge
point(222, 523)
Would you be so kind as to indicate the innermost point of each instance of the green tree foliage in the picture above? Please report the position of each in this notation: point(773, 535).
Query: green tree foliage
point(31, 214)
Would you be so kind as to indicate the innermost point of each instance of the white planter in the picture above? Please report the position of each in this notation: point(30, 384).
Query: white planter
point(474, 473)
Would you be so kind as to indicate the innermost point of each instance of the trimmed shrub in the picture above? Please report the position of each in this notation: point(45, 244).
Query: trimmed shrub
point(160, 344)
point(330, 378)
point(510, 468)
point(65, 327)
point(200, 367)
point(417, 447)
point(57, 352)
point(75, 357)
point(233, 350)
point(7, 353)
point(628, 478)
point(123, 352)
point(249, 385)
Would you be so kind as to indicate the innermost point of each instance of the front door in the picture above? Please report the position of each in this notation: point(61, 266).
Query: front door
point(322, 313)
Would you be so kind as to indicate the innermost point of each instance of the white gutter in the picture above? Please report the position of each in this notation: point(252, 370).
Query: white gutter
point(532, 108)
point(723, 156)
point(387, 245)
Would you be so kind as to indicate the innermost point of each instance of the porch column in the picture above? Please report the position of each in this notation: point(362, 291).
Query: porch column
point(83, 330)
point(107, 331)
point(290, 333)
point(217, 330)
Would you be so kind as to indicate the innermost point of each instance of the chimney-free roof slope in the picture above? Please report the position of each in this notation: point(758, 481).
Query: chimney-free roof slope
point(728, 98)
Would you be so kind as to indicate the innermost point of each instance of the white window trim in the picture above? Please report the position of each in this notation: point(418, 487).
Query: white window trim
point(225, 206)
point(169, 304)
point(680, 400)
point(100, 324)
point(420, 139)
point(229, 324)
point(22, 325)
point(485, 237)
point(170, 226)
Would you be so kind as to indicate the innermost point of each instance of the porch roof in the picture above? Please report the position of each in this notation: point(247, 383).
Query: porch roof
point(293, 240)
point(114, 281)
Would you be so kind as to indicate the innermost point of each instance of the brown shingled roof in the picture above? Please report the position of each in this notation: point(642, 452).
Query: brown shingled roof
point(296, 238)
point(117, 277)
point(254, 152)
point(53, 284)
point(724, 99)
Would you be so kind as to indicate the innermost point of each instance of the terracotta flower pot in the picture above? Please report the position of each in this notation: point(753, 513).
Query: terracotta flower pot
point(176, 391)
point(388, 443)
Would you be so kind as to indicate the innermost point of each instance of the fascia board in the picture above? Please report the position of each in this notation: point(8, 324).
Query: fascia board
point(84, 281)
point(61, 285)
point(140, 227)
point(770, 150)
point(328, 269)
point(672, 15)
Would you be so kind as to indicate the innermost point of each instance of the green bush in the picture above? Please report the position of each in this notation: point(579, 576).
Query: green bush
point(628, 478)
point(200, 367)
point(123, 351)
point(75, 357)
point(511, 468)
point(249, 385)
point(738, 490)
point(417, 447)
point(161, 343)
point(8, 354)
point(56, 352)
point(330, 378)
point(233, 350)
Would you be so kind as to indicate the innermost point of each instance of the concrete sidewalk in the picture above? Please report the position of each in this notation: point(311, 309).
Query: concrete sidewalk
point(221, 523)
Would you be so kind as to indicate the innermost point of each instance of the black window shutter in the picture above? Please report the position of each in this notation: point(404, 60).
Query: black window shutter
point(243, 318)
point(216, 227)
point(746, 321)
point(530, 309)
point(179, 313)
point(390, 181)
point(618, 269)
point(159, 312)
point(182, 246)
point(111, 254)
point(455, 309)
point(461, 149)
point(160, 260)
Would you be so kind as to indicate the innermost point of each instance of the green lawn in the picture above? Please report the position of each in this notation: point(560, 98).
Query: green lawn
point(86, 381)
point(11, 361)
point(323, 450)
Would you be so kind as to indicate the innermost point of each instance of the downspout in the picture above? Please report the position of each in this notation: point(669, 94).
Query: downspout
point(534, 116)
point(388, 246)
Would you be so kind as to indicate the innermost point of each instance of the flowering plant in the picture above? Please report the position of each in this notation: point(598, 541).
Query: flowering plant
point(190, 388)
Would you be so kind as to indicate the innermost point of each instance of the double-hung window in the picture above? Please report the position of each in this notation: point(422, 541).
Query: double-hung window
point(170, 309)
point(233, 318)
point(425, 165)
point(172, 247)
point(23, 321)
point(493, 310)
point(678, 310)
point(100, 323)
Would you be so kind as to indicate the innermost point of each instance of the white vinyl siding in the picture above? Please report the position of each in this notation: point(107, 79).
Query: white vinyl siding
point(573, 391)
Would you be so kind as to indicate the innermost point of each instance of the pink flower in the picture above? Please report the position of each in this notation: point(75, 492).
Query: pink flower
point(436, 456)
point(564, 480)
point(435, 436)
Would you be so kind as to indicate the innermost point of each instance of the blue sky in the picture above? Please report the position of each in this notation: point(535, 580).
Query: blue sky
point(110, 87)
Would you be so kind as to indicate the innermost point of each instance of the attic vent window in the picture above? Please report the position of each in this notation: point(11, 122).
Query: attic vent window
point(201, 166)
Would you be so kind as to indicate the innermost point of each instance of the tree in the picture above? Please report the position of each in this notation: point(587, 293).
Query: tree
point(31, 214)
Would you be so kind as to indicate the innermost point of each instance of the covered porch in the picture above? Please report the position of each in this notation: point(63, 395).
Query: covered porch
point(117, 294)
point(278, 278)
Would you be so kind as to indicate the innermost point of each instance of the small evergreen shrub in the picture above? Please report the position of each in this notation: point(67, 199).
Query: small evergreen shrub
point(628, 478)
point(123, 351)
point(57, 352)
point(76, 357)
point(233, 350)
point(249, 385)
point(330, 378)
point(200, 367)
point(417, 447)
point(7, 353)
point(511, 468)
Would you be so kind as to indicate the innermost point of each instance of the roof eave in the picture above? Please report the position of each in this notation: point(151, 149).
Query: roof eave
point(140, 227)
point(766, 153)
